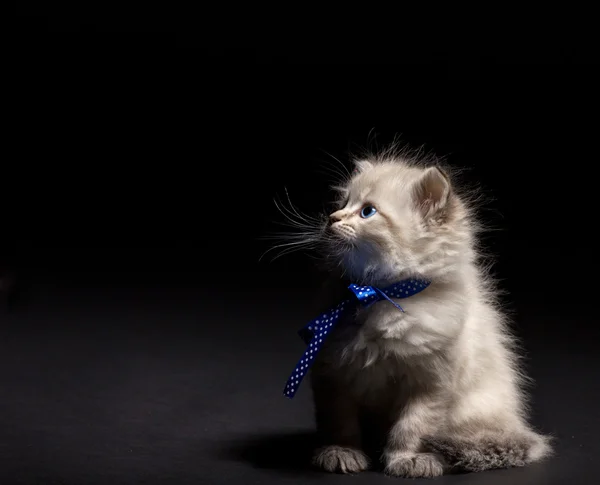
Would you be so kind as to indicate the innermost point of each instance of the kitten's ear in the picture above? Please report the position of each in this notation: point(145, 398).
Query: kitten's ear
point(431, 191)
point(362, 165)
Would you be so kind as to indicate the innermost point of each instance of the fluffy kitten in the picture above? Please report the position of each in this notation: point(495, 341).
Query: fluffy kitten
point(440, 380)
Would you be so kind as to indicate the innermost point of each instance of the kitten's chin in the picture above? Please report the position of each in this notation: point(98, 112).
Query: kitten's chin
point(342, 238)
point(341, 246)
point(371, 272)
point(362, 263)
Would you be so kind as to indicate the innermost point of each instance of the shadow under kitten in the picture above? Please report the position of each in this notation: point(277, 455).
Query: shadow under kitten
point(288, 453)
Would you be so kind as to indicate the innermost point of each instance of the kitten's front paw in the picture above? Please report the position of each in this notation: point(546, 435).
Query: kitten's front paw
point(414, 465)
point(341, 460)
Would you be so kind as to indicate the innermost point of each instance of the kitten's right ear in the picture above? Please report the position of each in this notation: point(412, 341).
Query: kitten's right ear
point(432, 191)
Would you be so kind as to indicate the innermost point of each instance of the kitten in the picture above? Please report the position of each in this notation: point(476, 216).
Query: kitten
point(441, 380)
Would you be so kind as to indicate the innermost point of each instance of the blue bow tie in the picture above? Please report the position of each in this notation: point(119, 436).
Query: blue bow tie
point(315, 332)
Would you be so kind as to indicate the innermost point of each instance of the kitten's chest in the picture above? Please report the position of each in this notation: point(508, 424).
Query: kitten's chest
point(369, 363)
point(380, 329)
point(379, 384)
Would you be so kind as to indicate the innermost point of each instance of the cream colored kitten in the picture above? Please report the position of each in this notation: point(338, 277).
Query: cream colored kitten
point(441, 379)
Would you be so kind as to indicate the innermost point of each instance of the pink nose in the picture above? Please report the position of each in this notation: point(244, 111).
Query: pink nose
point(335, 217)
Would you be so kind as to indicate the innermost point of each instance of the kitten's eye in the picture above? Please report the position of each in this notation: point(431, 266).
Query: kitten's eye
point(368, 211)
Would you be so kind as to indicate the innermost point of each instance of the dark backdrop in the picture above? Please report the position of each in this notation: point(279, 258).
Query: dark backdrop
point(142, 157)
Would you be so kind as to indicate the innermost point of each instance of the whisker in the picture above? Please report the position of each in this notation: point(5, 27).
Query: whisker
point(294, 215)
point(291, 237)
point(341, 164)
point(304, 217)
point(338, 177)
point(285, 245)
point(307, 227)
point(305, 232)
point(287, 251)
point(290, 218)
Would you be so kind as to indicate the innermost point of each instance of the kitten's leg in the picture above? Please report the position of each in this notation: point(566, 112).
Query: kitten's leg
point(491, 447)
point(404, 454)
point(338, 425)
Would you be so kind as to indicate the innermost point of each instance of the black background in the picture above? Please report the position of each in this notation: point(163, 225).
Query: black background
point(141, 160)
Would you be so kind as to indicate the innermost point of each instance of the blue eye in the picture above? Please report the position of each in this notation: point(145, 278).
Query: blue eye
point(368, 211)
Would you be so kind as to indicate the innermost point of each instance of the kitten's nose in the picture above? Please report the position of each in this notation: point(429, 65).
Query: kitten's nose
point(335, 217)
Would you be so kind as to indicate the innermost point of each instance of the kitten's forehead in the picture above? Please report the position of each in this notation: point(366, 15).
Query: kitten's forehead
point(381, 180)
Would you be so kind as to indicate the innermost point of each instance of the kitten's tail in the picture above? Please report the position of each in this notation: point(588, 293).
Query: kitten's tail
point(493, 450)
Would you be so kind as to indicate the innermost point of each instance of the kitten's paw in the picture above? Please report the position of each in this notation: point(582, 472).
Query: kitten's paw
point(414, 465)
point(337, 459)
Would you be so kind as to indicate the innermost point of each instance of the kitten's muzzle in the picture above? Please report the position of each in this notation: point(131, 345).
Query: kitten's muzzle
point(341, 231)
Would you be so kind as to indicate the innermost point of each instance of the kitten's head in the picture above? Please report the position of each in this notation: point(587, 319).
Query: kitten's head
point(398, 219)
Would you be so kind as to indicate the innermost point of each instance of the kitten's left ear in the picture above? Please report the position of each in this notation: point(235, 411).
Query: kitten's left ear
point(432, 191)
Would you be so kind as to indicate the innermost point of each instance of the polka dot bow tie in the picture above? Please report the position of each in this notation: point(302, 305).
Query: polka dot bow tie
point(315, 332)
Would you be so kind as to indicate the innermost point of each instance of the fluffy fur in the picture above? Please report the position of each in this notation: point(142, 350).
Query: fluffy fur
point(440, 381)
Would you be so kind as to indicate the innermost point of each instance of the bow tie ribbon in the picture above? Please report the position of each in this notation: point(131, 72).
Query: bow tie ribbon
point(315, 332)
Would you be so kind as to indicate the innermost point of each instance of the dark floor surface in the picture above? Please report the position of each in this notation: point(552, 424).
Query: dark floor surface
point(183, 385)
